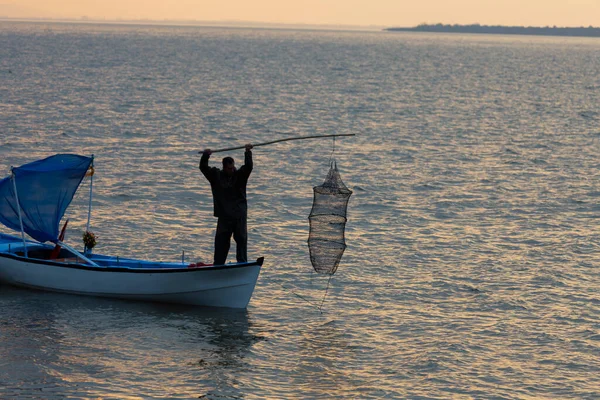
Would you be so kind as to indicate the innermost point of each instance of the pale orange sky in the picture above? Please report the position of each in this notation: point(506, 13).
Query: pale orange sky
point(337, 12)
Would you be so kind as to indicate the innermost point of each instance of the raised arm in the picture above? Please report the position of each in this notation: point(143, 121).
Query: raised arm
point(248, 164)
point(206, 170)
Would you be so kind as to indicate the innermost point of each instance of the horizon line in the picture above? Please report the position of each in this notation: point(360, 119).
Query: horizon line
point(193, 22)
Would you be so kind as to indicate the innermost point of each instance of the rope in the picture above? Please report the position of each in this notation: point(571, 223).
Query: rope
point(326, 290)
point(332, 152)
point(317, 306)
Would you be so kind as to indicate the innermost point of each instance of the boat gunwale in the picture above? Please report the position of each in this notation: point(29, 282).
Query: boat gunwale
point(259, 262)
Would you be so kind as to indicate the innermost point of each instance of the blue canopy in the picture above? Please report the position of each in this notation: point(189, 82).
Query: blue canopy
point(45, 188)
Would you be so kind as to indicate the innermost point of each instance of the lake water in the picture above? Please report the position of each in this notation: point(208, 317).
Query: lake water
point(473, 232)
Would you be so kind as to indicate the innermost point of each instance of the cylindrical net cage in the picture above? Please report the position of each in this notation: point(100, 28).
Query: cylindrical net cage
point(326, 240)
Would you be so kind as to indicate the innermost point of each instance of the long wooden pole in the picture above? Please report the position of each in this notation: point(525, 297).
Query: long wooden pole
point(281, 140)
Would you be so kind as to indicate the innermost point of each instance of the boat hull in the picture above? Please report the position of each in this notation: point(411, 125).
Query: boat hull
point(229, 285)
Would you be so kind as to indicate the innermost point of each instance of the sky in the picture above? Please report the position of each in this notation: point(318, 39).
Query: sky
point(385, 13)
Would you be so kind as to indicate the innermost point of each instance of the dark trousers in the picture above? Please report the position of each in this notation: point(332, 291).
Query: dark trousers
point(225, 228)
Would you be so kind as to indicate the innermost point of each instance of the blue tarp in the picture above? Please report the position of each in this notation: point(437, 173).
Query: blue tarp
point(45, 189)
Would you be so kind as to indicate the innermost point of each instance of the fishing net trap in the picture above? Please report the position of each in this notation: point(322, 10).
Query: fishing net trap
point(326, 240)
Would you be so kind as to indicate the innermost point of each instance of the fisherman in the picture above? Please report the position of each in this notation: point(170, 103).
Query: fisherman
point(230, 205)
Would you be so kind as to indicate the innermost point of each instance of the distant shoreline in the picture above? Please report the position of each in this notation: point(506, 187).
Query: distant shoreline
point(503, 30)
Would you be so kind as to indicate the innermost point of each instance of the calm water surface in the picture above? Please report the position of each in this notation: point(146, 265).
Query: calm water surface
point(473, 233)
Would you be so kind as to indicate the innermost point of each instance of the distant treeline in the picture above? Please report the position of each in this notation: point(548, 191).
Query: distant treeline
point(505, 30)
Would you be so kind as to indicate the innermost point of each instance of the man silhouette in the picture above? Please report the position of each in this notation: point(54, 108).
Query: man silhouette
point(230, 205)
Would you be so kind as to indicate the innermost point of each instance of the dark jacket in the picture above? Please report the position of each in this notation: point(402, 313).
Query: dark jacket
point(229, 192)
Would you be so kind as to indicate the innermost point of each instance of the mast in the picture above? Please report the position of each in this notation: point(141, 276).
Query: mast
point(87, 226)
point(13, 177)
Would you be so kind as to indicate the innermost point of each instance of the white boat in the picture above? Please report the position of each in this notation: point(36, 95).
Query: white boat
point(33, 199)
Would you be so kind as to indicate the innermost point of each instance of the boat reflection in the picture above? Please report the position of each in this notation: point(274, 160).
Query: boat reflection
point(96, 347)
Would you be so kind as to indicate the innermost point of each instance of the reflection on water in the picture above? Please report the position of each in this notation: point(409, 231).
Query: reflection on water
point(28, 343)
point(90, 346)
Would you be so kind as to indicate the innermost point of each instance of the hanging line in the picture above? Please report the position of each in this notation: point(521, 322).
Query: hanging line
point(326, 290)
point(304, 298)
point(332, 151)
